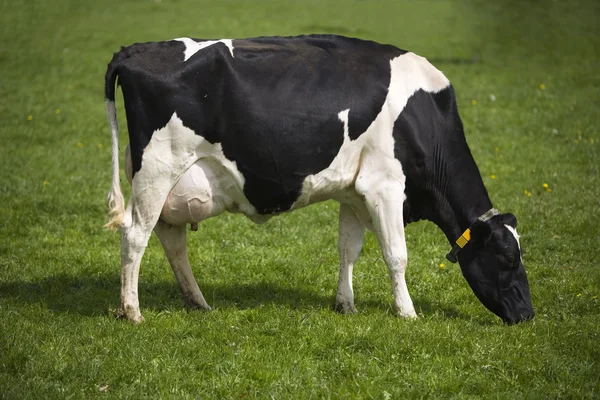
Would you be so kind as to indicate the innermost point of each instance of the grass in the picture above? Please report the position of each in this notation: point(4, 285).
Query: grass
point(528, 91)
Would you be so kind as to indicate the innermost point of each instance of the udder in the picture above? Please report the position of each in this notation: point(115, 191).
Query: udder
point(191, 200)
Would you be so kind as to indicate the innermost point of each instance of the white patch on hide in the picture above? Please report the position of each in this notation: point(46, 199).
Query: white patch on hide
point(207, 183)
point(192, 47)
point(516, 235)
point(409, 73)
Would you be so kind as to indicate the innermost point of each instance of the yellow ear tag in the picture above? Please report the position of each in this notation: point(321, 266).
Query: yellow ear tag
point(464, 238)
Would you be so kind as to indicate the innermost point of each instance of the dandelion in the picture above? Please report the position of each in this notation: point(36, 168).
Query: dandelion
point(46, 183)
point(527, 193)
point(58, 111)
point(100, 145)
point(545, 186)
point(474, 102)
point(492, 176)
point(542, 86)
point(442, 266)
point(79, 144)
point(29, 117)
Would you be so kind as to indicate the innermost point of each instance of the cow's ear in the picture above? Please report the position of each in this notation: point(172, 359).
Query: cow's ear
point(508, 219)
point(481, 232)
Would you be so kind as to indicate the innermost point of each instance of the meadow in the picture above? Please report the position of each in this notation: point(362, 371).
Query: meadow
point(528, 89)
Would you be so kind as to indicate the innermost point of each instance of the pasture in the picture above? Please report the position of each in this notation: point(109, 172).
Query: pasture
point(528, 89)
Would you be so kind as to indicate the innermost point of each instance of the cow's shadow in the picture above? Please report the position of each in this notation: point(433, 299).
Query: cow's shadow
point(99, 295)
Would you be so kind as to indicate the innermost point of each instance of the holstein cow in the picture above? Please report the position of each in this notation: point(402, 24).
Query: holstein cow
point(266, 125)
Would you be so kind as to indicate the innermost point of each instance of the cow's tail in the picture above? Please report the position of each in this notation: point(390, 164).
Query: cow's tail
point(115, 200)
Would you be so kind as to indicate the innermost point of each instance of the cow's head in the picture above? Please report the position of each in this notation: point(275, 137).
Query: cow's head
point(492, 264)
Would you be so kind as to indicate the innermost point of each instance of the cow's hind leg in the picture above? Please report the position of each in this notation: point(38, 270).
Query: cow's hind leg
point(141, 216)
point(350, 240)
point(165, 159)
point(173, 240)
point(382, 189)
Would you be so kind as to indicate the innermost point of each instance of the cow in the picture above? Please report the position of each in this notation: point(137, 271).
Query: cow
point(267, 125)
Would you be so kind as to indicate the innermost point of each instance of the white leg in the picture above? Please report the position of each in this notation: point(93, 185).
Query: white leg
point(351, 235)
point(384, 196)
point(173, 240)
point(171, 151)
point(141, 215)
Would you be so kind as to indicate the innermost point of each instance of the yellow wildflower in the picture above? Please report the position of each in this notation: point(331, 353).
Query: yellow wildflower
point(442, 266)
point(29, 117)
point(542, 86)
point(578, 294)
point(79, 144)
point(100, 145)
point(527, 193)
point(46, 183)
point(493, 176)
point(58, 110)
point(474, 102)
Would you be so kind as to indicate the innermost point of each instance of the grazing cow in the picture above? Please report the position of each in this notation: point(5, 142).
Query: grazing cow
point(266, 125)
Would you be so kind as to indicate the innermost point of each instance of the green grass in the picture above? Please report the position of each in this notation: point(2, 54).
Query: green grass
point(272, 334)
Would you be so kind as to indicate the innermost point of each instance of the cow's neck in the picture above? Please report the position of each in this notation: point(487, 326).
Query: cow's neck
point(454, 196)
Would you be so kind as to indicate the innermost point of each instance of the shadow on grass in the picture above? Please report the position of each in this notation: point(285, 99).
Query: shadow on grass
point(99, 295)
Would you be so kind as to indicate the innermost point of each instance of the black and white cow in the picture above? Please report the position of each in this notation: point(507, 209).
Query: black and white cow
point(266, 125)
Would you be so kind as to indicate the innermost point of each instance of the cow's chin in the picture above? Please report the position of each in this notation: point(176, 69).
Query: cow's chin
point(503, 292)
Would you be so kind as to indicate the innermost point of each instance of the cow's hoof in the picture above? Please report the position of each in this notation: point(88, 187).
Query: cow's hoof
point(193, 306)
point(130, 314)
point(192, 303)
point(344, 308)
point(411, 314)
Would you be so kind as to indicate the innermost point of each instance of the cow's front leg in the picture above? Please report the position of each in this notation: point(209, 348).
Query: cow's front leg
point(173, 240)
point(384, 199)
point(350, 241)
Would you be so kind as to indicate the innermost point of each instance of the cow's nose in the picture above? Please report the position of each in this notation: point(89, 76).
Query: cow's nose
point(521, 317)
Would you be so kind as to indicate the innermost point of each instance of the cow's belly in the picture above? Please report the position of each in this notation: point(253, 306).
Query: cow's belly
point(205, 190)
